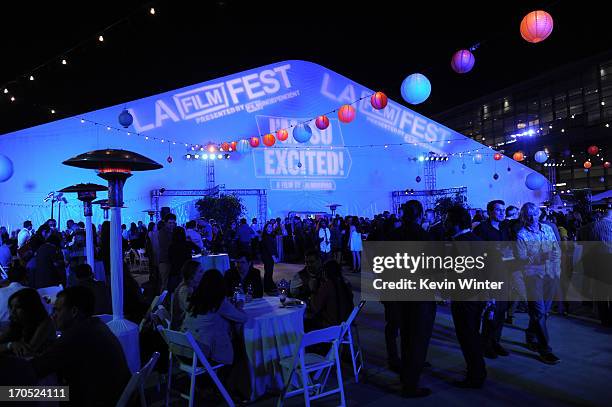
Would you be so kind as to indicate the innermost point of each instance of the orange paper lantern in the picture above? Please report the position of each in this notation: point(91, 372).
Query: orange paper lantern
point(346, 113)
point(225, 146)
point(587, 164)
point(518, 156)
point(536, 26)
point(269, 140)
point(282, 134)
point(254, 142)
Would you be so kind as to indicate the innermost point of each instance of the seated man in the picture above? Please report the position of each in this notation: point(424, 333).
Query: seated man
point(87, 357)
point(84, 277)
point(306, 281)
point(243, 272)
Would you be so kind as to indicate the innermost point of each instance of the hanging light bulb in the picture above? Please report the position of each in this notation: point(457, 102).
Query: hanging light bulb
point(64, 62)
point(52, 111)
point(101, 38)
point(31, 77)
point(152, 11)
point(5, 91)
point(12, 98)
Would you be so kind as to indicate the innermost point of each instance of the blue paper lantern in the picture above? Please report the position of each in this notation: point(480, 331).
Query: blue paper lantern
point(416, 88)
point(462, 61)
point(302, 133)
point(243, 146)
point(6, 168)
point(541, 156)
point(535, 181)
point(125, 118)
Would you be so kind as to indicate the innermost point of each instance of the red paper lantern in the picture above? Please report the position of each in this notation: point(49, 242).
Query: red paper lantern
point(587, 164)
point(497, 156)
point(269, 140)
point(346, 113)
point(233, 146)
point(607, 164)
point(225, 146)
point(536, 26)
point(322, 122)
point(593, 150)
point(254, 142)
point(282, 134)
point(378, 100)
point(518, 156)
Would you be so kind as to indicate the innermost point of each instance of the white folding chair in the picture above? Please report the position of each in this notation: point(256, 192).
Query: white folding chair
point(3, 272)
point(312, 370)
point(183, 344)
point(137, 382)
point(353, 342)
point(159, 299)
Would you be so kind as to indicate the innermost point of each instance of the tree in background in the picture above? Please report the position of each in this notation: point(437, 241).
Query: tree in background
point(225, 209)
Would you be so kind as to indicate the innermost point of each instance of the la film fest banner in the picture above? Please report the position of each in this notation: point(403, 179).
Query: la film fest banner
point(344, 164)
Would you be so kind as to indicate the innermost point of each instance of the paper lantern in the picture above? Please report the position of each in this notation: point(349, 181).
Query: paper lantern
point(518, 156)
point(607, 164)
point(254, 141)
point(302, 133)
point(587, 165)
point(6, 168)
point(346, 113)
point(378, 100)
point(477, 158)
point(269, 140)
point(225, 146)
point(602, 179)
point(593, 150)
point(125, 118)
point(535, 181)
point(536, 26)
point(416, 88)
point(462, 61)
point(169, 159)
point(233, 146)
point(282, 134)
point(497, 156)
point(496, 176)
point(322, 122)
point(243, 146)
point(418, 178)
point(541, 156)
point(211, 148)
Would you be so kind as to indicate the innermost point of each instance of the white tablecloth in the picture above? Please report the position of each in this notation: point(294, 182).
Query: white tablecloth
point(271, 333)
point(214, 261)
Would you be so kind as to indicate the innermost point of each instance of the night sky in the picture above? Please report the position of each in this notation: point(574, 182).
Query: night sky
point(377, 45)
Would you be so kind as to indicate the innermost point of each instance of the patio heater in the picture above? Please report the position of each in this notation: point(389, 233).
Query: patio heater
point(151, 214)
point(116, 166)
point(104, 205)
point(87, 193)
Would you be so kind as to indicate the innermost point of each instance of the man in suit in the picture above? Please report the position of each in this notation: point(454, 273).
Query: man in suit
point(493, 230)
point(87, 357)
point(416, 317)
point(466, 307)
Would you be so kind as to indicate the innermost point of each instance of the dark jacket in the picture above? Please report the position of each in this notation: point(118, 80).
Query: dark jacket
point(232, 278)
point(88, 358)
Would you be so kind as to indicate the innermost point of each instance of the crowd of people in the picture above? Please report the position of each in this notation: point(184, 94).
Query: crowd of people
point(203, 300)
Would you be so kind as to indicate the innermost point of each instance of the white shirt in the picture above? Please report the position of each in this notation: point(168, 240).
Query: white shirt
point(23, 236)
point(194, 237)
point(325, 243)
point(5, 294)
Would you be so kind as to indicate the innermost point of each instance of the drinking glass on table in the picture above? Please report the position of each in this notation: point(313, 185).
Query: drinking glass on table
point(282, 296)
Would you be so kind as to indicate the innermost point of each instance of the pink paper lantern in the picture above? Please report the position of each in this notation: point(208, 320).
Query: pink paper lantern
point(254, 141)
point(322, 122)
point(379, 100)
point(282, 134)
point(462, 61)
